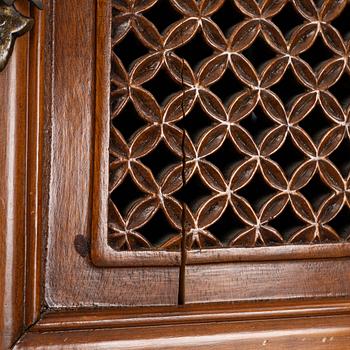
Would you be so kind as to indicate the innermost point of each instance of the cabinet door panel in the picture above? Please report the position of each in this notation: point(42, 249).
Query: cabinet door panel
point(183, 174)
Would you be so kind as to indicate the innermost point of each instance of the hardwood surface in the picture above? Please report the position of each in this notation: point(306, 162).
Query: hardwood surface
point(71, 280)
point(74, 102)
point(51, 294)
point(34, 233)
point(13, 114)
point(268, 280)
point(310, 333)
point(82, 319)
point(271, 325)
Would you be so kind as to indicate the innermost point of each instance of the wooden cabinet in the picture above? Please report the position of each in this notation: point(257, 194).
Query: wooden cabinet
point(174, 175)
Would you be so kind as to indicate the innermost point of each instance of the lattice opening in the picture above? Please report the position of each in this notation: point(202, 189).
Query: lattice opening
point(341, 223)
point(257, 124)
point(316, 191)
point(226, 157)
point(257, 191)
point(227, 17)
point(287, 222)
point(162, 14)
point(289, 87)
point(289, 157)
point(228, 226)
point(160, 159)
point(129, 49)
point(341, 89)
point(157, 230)
point(227, 86)
point(316, 124)
point(168, 86)
point(317, 53)
point(340, 157)
point(115, 12)
point(259, 52)
point(128, 122)
point(194, 192)
point(195, 50)
point(126, 194)
point(288, 19)
point(195, 122)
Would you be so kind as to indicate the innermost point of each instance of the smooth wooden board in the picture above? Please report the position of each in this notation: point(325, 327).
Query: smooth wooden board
point(268, 280)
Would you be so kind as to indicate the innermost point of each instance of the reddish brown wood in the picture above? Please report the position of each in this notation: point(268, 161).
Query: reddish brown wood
point(311, 333)
point(156, 316)
point(13, 95)
point(268, 280)
point(101, 253)
point(71, 280)
point(75, 288)
point(34, 167)
point(126, 94)
point(70, 197)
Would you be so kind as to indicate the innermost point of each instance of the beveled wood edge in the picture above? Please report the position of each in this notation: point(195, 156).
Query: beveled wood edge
point(111, 258)
point(272, 253)
point(87, 329)
point(308, 333)
point(56, 320)
point(34, 167)
point(101, 136)
point(26, 259)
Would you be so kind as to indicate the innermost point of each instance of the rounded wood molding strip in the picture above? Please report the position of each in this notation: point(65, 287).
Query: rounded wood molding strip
point(317, 324)
point(54, 320)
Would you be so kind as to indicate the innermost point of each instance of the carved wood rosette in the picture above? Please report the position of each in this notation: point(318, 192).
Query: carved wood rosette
point(12, 25)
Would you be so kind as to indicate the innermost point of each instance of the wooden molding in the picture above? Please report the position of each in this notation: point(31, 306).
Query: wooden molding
point(21, 118)
point(83, 319)
point(278, 325)
point(36, 116)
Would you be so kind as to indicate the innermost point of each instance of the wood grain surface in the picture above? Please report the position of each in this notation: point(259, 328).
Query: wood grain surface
point(310, 333)
point(83, 319)
point(35, 130)
point(46, 200)
point(13, 114)
point(71, 280)
point(268, 280)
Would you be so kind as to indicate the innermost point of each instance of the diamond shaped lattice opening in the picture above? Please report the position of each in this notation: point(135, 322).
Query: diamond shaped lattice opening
point(252, 97)
point(287, 19)
point(288, 157)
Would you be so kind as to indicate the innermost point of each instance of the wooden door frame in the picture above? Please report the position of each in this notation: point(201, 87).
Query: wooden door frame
point(25, 321)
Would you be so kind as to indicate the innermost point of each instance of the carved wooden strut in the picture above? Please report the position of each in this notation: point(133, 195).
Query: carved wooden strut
point(12, 25)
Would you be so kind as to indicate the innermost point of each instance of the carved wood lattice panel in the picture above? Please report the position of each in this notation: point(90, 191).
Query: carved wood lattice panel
point(229, 122)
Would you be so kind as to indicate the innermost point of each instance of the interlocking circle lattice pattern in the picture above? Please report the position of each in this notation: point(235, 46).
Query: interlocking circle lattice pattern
point(229, 122)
